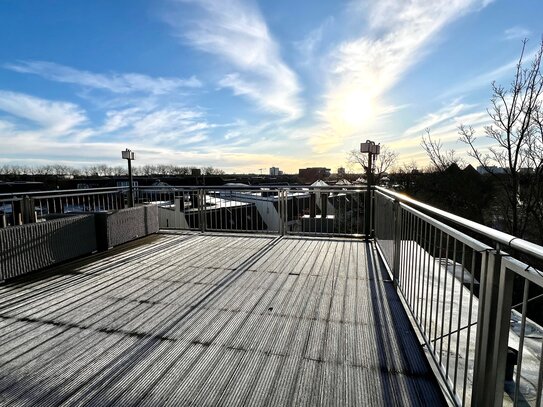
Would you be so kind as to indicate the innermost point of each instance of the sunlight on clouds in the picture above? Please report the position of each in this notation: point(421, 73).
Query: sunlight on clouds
point(363, 69)
point(236, 32)
point(352, 109)
point(436, 118)
point(56, 117)
point(86, 153)
point(443, 125)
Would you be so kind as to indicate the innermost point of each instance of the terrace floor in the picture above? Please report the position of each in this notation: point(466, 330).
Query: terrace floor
point(213, 319)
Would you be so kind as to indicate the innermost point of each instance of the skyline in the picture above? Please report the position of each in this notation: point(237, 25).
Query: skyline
point(252, 84)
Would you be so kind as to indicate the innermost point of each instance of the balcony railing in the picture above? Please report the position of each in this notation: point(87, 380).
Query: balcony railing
point(276, 210)
point(470, 289)
point(29, 207)
point(459, 287)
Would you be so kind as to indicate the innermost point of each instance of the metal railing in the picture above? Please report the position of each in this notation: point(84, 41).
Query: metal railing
point(300, 210)
point(29, 207)
point(459, 287)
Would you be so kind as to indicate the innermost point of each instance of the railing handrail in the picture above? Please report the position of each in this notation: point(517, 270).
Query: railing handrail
point(255, 187)
point(503, 238)
point(57, 192)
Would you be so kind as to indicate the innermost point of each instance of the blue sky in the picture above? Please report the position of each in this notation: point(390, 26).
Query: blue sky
point(243, 85)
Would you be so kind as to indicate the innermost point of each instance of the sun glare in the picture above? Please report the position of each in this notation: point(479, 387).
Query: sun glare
point(356, 109)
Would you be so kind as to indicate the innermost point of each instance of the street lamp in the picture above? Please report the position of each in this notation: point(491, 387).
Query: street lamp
point(129, 156)
point(373, 151)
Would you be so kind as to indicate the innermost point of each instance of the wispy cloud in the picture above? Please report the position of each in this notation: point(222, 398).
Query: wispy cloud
point(516, 33)
point(311, 43)
point(236, 32)
point(55, 117)
point(113, 82)
point(445, 114)
point(485, 79)
point(38, 121)
point(443, 124)
point(364, 68)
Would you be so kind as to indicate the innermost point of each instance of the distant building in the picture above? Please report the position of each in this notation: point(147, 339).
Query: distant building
point(310, 175)
point(120, 183)
point(274, 171)
point(500, 170)
point(341, 171)
point(195, 172)
point(492, 169)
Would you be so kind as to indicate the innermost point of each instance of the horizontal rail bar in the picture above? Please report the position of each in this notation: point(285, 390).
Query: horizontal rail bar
point(501, 237)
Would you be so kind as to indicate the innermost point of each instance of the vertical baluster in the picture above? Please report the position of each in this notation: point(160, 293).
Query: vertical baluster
point(471, 294)
point(451, 311)
point(411, 260)
point(408, 248)
point(427, 282)
point(416, 253)
point(538, 394)
point(444, 300)
point(521, 341)
point(433, 286)
point(422, 273)
point(459, 325)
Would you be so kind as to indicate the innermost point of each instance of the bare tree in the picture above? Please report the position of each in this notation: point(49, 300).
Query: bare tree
point(118, 171)
point(411, 167)
point(212, 171)
point(441, 158)
point(384, 161)
point(516, 133)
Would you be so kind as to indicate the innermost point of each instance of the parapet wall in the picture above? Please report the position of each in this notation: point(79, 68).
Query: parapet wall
point(33, 246)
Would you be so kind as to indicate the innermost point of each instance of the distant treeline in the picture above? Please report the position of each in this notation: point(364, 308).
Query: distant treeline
point(103, 170)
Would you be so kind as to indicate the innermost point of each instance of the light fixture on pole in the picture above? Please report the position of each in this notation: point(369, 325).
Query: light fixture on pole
point(373, 151)
point(129, 156)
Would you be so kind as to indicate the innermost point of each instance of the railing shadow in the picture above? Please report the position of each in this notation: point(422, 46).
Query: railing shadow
point(392, 326)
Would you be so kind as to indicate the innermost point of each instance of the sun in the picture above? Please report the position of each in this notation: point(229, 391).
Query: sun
point(356, 109)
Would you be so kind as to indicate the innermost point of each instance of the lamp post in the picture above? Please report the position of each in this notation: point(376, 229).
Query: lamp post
point(129, 156)
point(373, 151)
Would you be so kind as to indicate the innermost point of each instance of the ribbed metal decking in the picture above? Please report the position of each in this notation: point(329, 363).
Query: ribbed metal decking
point(213, 320)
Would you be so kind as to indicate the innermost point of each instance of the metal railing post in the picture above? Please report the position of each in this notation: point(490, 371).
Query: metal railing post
point(201, 209)
point(397, 242)
point(367, 214)
point(493, 332)
point(282, 212)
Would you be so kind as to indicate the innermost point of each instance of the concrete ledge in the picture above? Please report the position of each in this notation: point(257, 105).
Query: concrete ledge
point(117, 227)
point(34, 246)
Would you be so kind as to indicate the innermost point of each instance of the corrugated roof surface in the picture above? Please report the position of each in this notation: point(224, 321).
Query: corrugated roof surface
point(213, 320)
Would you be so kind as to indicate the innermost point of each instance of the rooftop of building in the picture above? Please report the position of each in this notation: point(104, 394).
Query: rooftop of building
point(264, 321)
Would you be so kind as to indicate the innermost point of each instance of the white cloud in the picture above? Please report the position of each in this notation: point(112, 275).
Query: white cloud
point(237, 33)
point(113, 82)
point(516, 33)
point(436, 118)
point(173, 125)
point(443, 124)
point(364, 68)
point(57, 118)
point(485, 79)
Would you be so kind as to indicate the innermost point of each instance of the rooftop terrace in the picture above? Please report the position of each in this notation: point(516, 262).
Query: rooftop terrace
point(323, 296)
point(213, 319)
